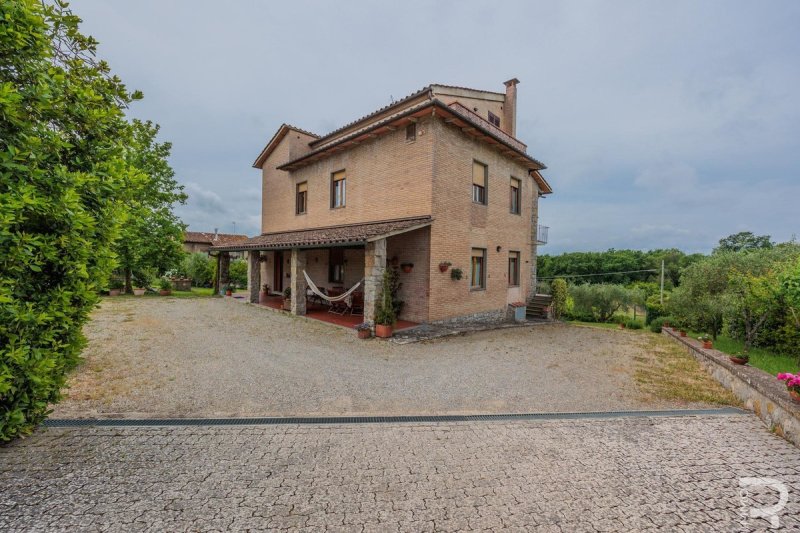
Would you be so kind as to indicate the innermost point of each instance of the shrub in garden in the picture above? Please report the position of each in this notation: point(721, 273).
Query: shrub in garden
point(559, 294)
point(238, 272)
point(200, 267)
point(657, 324)
point(633, 324)
point(600, 301)
point(63, 183)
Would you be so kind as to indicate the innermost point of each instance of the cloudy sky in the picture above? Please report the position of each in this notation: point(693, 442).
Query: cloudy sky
point(662, 123)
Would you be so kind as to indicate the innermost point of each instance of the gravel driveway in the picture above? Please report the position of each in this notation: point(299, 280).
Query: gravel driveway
point(169, 357)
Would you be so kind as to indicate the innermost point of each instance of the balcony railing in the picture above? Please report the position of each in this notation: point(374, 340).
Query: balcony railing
point(541, 234)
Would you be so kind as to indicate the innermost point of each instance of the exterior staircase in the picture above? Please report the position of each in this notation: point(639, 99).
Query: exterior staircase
point(536, 307)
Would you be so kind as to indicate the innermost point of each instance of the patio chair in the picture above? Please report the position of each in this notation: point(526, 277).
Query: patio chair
point(357, 307)
point(312, 298)
point(341, 307)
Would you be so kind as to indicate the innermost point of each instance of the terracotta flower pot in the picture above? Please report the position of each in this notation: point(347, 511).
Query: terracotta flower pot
point(443, 268)
point(138, 292)
point(114, 292)
point(164, 292)
point(738, 360)
point(228, 292)
point(383, 331)
point(707, 345)
point(622, 326)
point(407, 268)
point(666, 324)
point(262, 298)
point(287, 304)
point(795, 395)
point(683, 333)
point(364, 334)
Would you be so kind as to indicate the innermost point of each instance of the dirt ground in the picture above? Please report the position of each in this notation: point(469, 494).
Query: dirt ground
point(169, 357)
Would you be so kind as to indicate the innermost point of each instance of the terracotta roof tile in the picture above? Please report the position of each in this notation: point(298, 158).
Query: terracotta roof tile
point(344, 234)
point(217, 239)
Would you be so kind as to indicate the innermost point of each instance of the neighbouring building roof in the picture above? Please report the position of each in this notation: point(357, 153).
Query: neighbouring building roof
point(216, 239)
point(331, 235)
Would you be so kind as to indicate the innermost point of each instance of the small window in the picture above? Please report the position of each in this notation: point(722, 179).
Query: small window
point(513, 269)
point(480, 173)
point(301, 200)
point(478, 278)
point(336, 265)
point(515, 196)
point(411, 132)
point(338, 189)
point(494, 119)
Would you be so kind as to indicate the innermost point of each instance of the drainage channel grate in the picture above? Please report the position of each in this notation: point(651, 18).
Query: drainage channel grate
point(272, 421)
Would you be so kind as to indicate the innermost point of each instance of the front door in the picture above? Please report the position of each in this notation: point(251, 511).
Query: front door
point(277, 282)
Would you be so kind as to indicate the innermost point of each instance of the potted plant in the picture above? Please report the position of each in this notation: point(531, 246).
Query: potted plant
point(385, 316)
point(164, 287)
point(229, 289)
point(444, 265)
point(739, 358)
point(622, 325)
point(264, 294)
point(706, 340)
point(139, 291)
point(456, 274)
point(407, 267)
point(287, 299)
point(792, 384)
point(115, 287)
point(364, 330)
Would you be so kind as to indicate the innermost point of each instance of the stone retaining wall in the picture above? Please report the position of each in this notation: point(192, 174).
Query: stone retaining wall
point(759, 391)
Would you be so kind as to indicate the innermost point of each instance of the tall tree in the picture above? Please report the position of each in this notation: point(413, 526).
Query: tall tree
point(62, 169)
point(744, 240)
point(152, 235)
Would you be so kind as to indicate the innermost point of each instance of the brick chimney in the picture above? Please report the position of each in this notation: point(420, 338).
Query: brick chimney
point(510, 107)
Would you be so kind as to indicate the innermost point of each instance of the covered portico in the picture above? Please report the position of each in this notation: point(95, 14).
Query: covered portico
point(280, 259)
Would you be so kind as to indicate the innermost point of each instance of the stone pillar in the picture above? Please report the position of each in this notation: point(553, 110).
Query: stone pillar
point(223, 271)
point(216, 273)
point(298, 281)
point(374, 266)
point(253, 275)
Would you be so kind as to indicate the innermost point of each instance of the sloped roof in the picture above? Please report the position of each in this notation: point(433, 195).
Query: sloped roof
point(205, 237)
point(331, 235)
point(273, 142)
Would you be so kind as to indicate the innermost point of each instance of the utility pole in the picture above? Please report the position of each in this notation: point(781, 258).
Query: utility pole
point(662, 283)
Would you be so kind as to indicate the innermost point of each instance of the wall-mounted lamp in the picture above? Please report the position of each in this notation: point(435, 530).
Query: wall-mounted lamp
point(499, 248)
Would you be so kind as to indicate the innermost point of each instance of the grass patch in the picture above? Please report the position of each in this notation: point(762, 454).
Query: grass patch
point(763, 358)
point(666, 371)
point(196, 292)
point(602, 325)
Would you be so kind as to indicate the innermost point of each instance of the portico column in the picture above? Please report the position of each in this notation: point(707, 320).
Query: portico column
point(374, 266)
point(298, 281)
point(224, 269)
point(253, 275)
point(534, 240)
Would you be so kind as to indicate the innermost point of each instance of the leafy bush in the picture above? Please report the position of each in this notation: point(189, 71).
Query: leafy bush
point(63, 184)
point(559, 293)
point(238, 272)
point(657, 324)
point(384, 312)
point(600, 301)
point(200, 267)
point(633, 324)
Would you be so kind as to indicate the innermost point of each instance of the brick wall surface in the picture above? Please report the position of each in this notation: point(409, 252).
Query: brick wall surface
point(390, 178)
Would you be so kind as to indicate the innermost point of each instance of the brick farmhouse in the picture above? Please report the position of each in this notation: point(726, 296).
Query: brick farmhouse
point(437, 177)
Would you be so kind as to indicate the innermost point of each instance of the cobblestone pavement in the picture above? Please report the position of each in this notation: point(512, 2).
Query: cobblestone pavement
point(615, 474)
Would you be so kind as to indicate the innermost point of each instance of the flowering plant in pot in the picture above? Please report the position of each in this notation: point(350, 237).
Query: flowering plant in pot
point(364, 330)
point(115, 287)
point(385, 316)
point(444, 265)
point(407, 267)
point(456, 274)
point(164, 287)
point(264, 294)
point(792, 384)
point(287, 299)
point(739, 358)
point(229, 289)
point(706, 340)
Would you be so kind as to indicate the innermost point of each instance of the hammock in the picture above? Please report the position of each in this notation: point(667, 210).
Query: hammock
point(324, 296)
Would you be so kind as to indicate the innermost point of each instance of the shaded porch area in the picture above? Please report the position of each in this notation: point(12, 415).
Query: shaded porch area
point(335, 274)
point(323, 314)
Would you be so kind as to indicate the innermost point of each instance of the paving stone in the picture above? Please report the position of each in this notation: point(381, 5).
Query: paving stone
point(615, 474)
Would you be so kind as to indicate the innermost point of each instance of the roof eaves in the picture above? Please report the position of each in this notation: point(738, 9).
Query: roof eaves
point(370, 115)
point(279, 135)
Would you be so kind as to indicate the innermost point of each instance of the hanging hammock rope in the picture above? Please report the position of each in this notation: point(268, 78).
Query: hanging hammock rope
point(324, 296)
